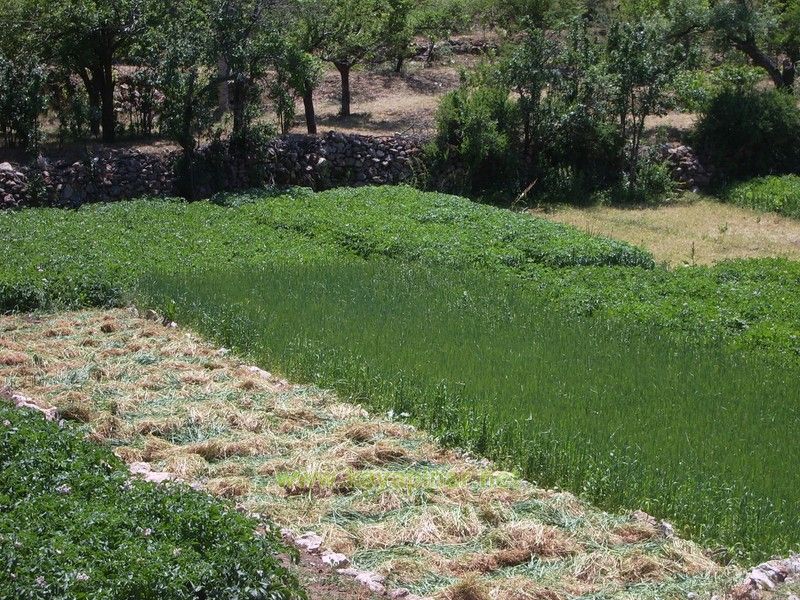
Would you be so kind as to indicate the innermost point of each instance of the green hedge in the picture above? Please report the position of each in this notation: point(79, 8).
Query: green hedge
point(74, 525)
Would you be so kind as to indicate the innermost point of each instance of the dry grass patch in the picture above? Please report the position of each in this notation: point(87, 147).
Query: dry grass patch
point(228, 487)
point(692, 230)
point(9, 358)
point(186, 466)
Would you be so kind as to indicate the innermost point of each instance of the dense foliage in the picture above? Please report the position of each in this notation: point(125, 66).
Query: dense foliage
point(764, 138)
point(74, 525)
point(628, 415)
point(774, 194)
point(563, 117)
point(93, 256)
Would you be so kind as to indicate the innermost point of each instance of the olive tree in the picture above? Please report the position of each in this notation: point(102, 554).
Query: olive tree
point(87, 37)
point(350, 32)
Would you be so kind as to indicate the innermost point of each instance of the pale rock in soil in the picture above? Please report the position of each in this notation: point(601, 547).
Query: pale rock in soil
point(309, 541)
point(334, 559)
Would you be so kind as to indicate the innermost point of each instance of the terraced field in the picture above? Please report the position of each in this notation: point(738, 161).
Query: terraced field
point(404, 510)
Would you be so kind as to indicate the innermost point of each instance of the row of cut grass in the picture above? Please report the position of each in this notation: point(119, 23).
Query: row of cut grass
point(629, 416)
point(74, 525)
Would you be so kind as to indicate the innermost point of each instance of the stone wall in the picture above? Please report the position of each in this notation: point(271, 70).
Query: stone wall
point(333, 159)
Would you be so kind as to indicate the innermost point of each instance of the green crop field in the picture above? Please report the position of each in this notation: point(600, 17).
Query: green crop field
point(628, 416)
point(572, 357)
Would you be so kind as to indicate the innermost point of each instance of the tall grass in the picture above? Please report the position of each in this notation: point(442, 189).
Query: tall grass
point(629, 417)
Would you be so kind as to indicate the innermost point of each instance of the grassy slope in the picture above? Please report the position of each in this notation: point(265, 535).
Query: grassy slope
point(627, 415)
point(73, 525)
point(93, 256)
point(773, 194)
point(89, 256)
point(376, 489)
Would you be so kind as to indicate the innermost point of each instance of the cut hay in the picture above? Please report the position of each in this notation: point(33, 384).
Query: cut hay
point(228, 487)
point(77, 407)
point(158, 427)
point(186, 466)
point(469, 588)
point(129, 454)
point(10, 358)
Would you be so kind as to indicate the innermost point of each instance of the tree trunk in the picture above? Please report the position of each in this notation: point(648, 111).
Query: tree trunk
point(399, 62)
point(344, 71)
point(308, 105)
point(761, 59)
point(788, 74)
point(94, 101)
point(223, 96)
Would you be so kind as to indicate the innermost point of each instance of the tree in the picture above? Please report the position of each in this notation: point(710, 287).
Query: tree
point(642, 64)
point(247, 43)
point(350, 32)
point(185, 67)
point(300, 71)
point(87, 37)
point(753, 28)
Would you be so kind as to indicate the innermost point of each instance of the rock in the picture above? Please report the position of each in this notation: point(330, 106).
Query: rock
point(399, 593)
point(667, 530)
point(6, 167)
point(309, 541)
point(335, 559)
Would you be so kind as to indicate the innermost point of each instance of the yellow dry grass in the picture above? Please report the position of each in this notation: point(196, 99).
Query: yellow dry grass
point(427, 518)
point(691, 230)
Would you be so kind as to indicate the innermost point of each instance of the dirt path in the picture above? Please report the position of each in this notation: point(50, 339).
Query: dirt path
point(689, 231)
point(412, 518)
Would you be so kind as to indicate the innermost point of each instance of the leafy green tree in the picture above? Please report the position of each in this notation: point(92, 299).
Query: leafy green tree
point(184, 63)
point(87, 37)
point(642, 62)
point(247, 41)
point(300, 71)
point(754, 28)
point(350, 32)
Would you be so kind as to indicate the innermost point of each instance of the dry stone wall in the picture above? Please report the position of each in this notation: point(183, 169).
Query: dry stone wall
point(333, 159)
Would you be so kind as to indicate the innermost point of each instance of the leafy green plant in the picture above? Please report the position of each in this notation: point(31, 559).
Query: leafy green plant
point(764, 140)
point(73, 524)
point(773, 194)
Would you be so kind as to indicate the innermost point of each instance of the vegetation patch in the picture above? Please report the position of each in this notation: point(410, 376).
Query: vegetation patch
point(424, 524)
point(769, 194)
point(92, 256)
point(73, 524)
point(627, 415)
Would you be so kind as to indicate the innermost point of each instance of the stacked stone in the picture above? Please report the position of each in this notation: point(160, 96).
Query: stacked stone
point(686, 166)
point(13, 186)
point(321, 162)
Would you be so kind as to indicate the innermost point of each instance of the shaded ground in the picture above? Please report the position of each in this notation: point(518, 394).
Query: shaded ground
point(377, 490)
point(691, 230)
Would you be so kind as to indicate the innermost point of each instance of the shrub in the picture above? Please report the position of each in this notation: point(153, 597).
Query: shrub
point(748, 133)
point(476, 131)
point(22, 100)
point(775, 194)
point(74, 525)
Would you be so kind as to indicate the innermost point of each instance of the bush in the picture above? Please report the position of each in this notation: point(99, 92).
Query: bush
point(775, 194)
point(74, 525)
point(747, 133)
point(476, 132)
point(22, 100)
